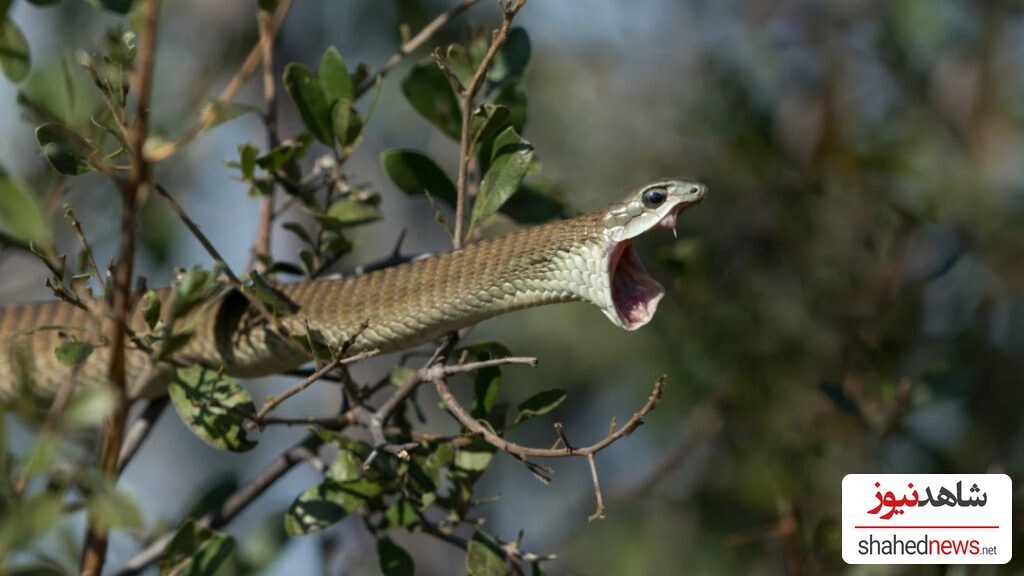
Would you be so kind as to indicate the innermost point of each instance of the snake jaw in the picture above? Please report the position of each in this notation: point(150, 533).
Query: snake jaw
point(634, 293)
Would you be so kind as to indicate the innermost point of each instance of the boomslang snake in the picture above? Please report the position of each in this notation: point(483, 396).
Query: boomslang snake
point(586, 258)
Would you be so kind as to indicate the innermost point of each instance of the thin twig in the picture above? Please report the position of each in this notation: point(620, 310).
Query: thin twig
point(140, 429)
point(233, 505)
point(233, 87)
point(215, 254)
point(414, 43)
point(266, 222)
point(275, 401)
point(466, 153)
point(442, 370)
point(76, 227)
point(599, 512)
point(380, 417)
point(97, 535)
point(525, 452)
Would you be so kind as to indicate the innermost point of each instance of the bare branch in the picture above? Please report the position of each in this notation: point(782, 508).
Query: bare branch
point(525, 452)
point(466, 152)
point(234, 504)
point(414, 43)
point(267, 32)
point(215, 254)
point(599, 512)
point(140, 429)
point(234, 86)
point(76, 227)
point(443, 370)
point(376, 421)
point(97, 535)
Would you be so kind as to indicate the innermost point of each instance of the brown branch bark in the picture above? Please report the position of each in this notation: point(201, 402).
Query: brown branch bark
point(468, 97)
point(97, 536)
point(523, 453)
point(267, 35)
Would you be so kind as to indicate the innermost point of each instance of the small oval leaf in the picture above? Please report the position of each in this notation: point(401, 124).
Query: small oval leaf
point(213, 406)
point(307, 93)
point(414, 173)
point(431, 94)
point(15, 60)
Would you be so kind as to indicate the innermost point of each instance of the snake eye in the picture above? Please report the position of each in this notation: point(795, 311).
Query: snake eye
point(654, 197)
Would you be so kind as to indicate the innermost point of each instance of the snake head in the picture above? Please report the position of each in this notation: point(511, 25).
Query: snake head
point(633, 294)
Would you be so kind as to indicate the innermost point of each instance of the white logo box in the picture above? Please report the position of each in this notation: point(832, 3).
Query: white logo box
point(927, 519)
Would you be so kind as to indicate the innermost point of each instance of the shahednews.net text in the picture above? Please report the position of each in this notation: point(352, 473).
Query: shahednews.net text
point(923, 546)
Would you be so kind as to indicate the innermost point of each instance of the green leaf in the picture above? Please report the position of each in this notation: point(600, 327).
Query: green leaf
point(429, 92)
point(72, 352)
point(475, 456)
point(221, 112)
point(297, 229)
point(196, 551)
point(401, 513)
point(112, 508)
point(151, 306)
point(442, 457)
point(534, 203)
point(512, 96)
point(327, 504)
point(334, 78)
point(305, 89)
point(25, 521)
point(487, 384)
point(540, 403)
point(348, 213)
point(90, 406)
point(247, 155)
point(15, 60)
point(65, 150)
point(20, 214)
point(510, 161)
point(484, 557)
point(286, 153)
point(118, 6)
point(512, 57)
point(400, 376)
point(463, 61)
point(487, 121)
point(191, 289)
point(346, 123)
point(213, 406)
point(414, 173)
point(394, 560)
point(258, 287)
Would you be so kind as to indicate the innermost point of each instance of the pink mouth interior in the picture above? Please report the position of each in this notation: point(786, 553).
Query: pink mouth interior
point(634, 293)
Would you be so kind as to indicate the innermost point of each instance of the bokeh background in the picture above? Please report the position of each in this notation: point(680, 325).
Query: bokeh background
point(849, 297)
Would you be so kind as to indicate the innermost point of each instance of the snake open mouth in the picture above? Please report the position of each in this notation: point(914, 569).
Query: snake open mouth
point(635, 294)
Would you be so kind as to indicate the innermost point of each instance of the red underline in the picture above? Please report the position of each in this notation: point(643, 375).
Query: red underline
point(920, 527)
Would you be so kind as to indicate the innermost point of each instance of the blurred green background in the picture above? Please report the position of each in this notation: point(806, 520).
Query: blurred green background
point(848, 299)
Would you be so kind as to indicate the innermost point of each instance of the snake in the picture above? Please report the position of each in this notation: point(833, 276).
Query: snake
point(586, 258)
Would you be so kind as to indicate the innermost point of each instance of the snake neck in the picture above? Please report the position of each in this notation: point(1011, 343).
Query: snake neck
point(419, 301)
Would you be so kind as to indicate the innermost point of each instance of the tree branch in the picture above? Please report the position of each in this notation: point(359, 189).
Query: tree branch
point(97, 535)
point(414, 43)
point(140, 429)
point(468, 96)
point(523, 453)
point(261, 247)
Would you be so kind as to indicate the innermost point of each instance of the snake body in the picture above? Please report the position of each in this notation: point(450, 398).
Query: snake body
point(586, 258)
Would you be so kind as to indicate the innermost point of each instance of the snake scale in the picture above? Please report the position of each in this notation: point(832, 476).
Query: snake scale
point(586, 258)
